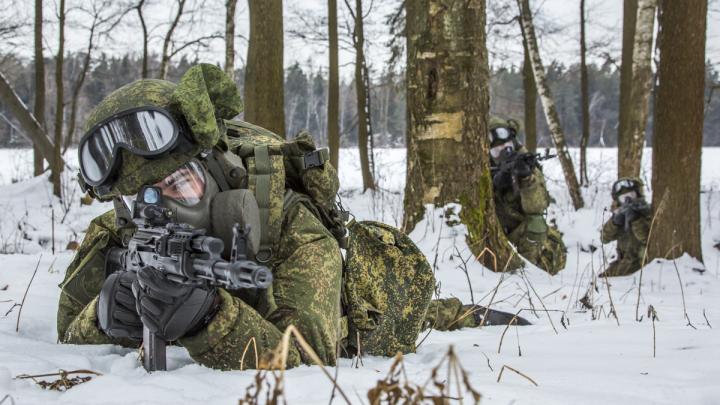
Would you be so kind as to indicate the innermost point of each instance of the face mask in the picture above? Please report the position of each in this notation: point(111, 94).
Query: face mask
point(496, 151)
point(627, 197)
point(194, 198)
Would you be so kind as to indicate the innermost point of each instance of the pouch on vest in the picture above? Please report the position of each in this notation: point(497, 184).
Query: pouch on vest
point(387, 287)
point(274, 164)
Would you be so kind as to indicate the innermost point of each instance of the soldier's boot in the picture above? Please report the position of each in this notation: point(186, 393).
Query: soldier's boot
point(451, 314)
point(621, 267)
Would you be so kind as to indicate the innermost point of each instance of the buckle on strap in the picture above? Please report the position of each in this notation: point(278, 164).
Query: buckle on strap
point(316, 158)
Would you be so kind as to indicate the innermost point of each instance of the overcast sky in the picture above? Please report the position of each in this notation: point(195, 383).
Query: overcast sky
point(604, 25)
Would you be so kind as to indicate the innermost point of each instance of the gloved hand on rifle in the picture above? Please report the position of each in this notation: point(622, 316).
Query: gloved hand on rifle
point(511, 164)
point(171, 309)
point(116, 312)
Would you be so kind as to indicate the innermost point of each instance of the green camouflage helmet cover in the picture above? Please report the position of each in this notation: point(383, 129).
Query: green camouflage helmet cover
point(496, 122)
point(639, 186)
point(204, 97)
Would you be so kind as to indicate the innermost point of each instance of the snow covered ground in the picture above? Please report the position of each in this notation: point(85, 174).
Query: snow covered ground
point(575, 355)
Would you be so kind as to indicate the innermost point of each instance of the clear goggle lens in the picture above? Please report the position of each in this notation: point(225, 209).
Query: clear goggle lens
point(185, 185)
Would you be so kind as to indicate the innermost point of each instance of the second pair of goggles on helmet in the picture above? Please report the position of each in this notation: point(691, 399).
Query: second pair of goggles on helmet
point(147, 132)
point(624, 184)
point(501, 134)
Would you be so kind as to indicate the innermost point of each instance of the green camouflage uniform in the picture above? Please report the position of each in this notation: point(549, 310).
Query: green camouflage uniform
point(387, 286)
point(522, 216)
point(631, 243)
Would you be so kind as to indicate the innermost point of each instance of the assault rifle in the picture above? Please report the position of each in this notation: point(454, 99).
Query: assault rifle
point(515, 165)
point(632, 209)
point(185, 255)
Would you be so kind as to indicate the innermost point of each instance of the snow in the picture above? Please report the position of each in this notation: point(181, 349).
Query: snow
point(583, 356)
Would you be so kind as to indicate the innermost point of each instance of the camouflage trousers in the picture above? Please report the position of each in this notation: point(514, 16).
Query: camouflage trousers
point(544, 249)
point(622, 267)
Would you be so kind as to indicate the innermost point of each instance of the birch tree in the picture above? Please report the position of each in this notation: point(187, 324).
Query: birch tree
point(640, 88)
point(448, 105)
point(230, 6)
point(549, 109)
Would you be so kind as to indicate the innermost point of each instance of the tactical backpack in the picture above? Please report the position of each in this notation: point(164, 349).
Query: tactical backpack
point(387, 281)
point(280, 173)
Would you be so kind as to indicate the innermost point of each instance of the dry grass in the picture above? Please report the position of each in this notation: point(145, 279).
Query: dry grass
point(448, 382)
point(64, 382)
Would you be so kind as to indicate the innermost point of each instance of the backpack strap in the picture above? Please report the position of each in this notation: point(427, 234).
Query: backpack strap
point(263, 174)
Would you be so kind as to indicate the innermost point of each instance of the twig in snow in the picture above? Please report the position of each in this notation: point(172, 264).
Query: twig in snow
point(247, 346)
point(682, 294)
point(488, 361)
point(514, 320)
point(17, 323)
point(6, 397)
point(464, 268)
point(505, 366)
point(644, 260)
point(63, 383)
point(11, 308)
point(541, 301)
point(706, 319)
point(653, 316)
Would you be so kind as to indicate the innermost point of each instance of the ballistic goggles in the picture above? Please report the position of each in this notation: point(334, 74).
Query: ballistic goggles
point(186, 185)
point(501, 134)
point(624, 184)
point(146, 132)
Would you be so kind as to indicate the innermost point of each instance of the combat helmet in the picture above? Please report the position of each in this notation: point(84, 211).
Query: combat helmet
point(501, 130)
point(627, 184)
point(144, 131)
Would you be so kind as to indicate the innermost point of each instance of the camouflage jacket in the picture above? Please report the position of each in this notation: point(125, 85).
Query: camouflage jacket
point(305, 293)
point(631, 242)
point(513, 209)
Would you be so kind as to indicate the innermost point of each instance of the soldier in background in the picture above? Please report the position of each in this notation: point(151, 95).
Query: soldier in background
point(629, 226)
point(521, 198)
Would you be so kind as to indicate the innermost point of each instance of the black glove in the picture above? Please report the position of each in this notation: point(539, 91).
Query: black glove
point(522, 169)
point(502, 180)
point(116, 312)
point(170, 309)
point(618, 218)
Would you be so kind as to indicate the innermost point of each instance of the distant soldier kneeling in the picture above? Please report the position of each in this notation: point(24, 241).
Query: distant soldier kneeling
point(629, 226)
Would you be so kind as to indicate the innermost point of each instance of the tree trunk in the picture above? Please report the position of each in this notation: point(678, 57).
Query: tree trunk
point(530, 93)
point(628, 38)
point(78, 86)
point(640, 89)
point(447, 105)
point(57, 167)
point(230, 38)
point(362, 90)
point(32, 129)
point(39, 107)
point(677, 142)
point(138, 8)
point(264, 70)
point(585, 103)
point(165, 57)
point(333, 118)
point(549, 108)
